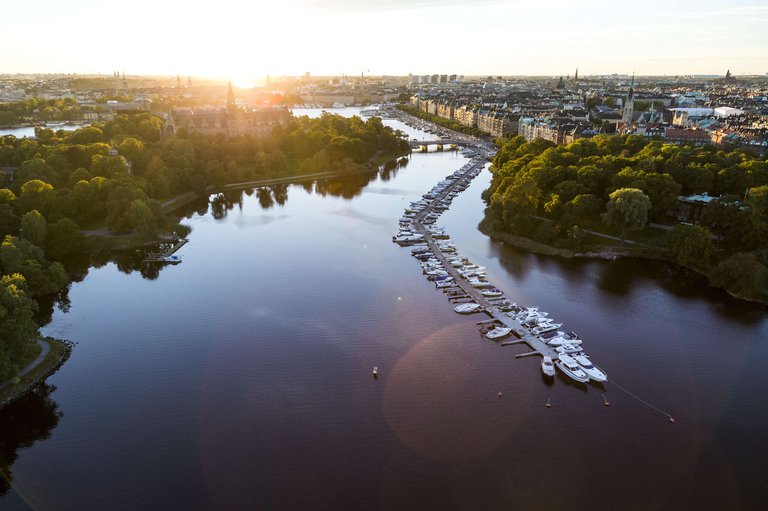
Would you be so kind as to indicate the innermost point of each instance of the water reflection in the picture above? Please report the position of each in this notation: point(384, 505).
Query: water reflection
point(30, 418)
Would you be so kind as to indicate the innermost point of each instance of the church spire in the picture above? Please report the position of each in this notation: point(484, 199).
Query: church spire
point(576, 76)
point(231, 105)
point(629, 104)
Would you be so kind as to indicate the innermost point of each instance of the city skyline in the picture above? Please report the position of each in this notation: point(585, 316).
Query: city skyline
point(248, 40)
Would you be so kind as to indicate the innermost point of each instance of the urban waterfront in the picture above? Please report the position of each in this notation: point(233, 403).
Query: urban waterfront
point(241, 378)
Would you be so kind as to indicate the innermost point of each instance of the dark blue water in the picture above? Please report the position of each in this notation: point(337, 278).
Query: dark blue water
point(241, 378)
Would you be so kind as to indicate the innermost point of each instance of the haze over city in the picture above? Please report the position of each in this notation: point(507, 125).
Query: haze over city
point(246, 40)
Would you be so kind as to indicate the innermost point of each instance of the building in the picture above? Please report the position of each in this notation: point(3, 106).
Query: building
point(230, 121)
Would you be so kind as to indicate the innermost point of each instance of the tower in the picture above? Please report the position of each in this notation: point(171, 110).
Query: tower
point(629, 104)
point(231, 104)
point(576, 76)
point(178, 82)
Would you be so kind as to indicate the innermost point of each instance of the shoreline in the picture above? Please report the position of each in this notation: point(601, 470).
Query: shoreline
point(60, 352)
point(606, 254)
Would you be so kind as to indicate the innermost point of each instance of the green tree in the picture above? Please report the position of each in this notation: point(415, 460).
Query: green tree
point(582, 209)
point(34, 228)
point(37, 194)
point(142, 218)
point(690, 245)
point(9, 220)
point(17, 322)
point(18, 255)
point(64, 238)
point(742, 274)
point(627, 210)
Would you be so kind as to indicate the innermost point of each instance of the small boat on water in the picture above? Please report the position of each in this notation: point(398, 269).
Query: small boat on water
point(375, 371)
point(467, 308)
point(546, 327)
point(569, 366)
point(568, 349)
point(547, 367)
point(498, 333)
point(491, 293)
point(591, 369)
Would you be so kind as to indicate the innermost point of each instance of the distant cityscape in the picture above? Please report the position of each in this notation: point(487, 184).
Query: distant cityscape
point(693, 110)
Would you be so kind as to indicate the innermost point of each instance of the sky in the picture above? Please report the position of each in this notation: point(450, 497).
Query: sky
point(249, 39)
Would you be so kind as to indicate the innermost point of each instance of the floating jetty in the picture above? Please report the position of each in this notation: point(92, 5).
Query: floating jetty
point(465, 283)
point(168, 256)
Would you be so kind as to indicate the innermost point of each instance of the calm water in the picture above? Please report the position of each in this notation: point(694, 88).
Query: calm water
point(241, 378)
point(29, 131)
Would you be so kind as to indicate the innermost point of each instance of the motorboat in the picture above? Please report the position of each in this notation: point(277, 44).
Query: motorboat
point(569, 366)
point(559, 338)
point(568, 349)
point(547, 367)
point(591, 369)
point(467, 308)
point(498, 332)
point(172, 259)
point(546, 327)
point(491, 293)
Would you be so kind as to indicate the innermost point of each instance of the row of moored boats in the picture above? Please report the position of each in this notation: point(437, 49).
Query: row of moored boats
point(421, 215)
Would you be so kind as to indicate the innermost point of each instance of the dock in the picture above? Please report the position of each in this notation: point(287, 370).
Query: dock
point(538, 346)
point(163, 256)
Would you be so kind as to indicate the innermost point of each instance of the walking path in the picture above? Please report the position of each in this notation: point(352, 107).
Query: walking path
point(45, 349)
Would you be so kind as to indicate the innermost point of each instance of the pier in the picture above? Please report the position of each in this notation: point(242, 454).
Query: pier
point(523, 334)
point(164, 256)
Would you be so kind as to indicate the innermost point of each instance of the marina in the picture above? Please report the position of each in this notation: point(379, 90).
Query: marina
point(471, 293)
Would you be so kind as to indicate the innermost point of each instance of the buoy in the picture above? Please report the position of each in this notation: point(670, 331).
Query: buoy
point(499, 393)
point(605, 401)
point(548, 403)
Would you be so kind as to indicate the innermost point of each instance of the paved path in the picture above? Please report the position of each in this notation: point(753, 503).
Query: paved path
point(45, 349)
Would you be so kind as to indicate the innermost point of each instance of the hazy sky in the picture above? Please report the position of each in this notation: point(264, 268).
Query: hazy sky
point(244, 39)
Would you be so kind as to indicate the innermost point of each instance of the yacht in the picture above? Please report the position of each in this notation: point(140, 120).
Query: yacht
point(467, 308)
point(559, 341)
point(569, 366)
point(591, 369)
point(545, 327)
point(568, 349)
point(491, 293)
point(498, 332)
point(547, 367)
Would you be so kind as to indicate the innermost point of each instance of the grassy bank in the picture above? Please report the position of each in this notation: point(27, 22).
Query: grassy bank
point(59, 353)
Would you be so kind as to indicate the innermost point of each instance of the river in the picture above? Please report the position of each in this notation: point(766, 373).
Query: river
point(241, 378)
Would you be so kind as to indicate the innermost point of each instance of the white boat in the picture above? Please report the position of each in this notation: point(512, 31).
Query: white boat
point(547, 367)
point(467, 308)
point(591, 369)
point(569, 366)
point(498, 332)
point(559, 341)
point(173, 259)
point(546, 327)
point(568, 349)
point(562, 338)
point(491, 293)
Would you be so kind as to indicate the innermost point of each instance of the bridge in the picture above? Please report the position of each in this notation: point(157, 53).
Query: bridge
point(424, 144)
